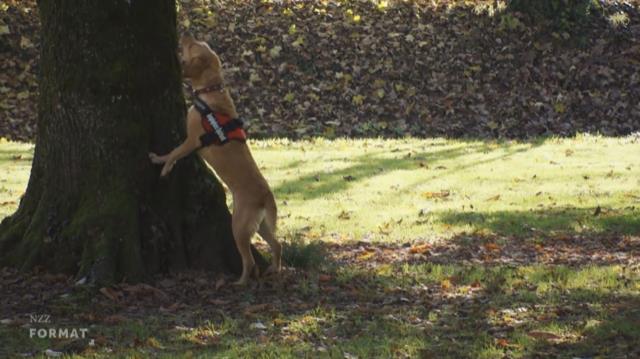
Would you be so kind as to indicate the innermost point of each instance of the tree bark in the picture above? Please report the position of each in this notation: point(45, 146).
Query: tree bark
point(110, 92)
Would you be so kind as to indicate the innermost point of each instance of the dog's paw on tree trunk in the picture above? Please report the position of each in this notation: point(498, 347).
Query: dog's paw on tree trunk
point(110, 92)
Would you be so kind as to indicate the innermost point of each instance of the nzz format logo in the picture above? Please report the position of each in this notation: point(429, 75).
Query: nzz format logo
point(39, 319)
point(53, 332)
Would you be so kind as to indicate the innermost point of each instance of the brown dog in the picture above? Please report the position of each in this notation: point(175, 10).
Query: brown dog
point(254, 207)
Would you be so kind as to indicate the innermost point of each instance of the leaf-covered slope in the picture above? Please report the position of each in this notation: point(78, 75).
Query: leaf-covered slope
point(364, 68)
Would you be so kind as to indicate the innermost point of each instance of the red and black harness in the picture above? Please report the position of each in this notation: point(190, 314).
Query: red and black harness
point(219, 128)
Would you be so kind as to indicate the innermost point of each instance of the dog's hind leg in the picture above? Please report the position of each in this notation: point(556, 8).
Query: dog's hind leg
point(267, 231)
point(244, 224)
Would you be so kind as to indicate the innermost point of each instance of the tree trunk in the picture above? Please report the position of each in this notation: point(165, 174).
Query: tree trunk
point(110, 92)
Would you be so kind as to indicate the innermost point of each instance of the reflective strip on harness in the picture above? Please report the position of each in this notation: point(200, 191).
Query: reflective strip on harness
point(216, 127)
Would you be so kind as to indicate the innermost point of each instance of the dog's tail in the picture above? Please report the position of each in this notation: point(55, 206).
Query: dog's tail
point(271, 212)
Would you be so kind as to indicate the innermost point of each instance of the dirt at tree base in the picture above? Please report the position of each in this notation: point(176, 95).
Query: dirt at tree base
point(389, 69)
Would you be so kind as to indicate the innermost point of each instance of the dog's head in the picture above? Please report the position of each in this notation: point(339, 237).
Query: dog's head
point(197, 57)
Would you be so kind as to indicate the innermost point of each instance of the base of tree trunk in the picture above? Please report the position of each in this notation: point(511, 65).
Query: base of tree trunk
point(109, 234)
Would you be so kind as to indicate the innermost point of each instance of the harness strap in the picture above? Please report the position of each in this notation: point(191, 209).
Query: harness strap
point(211, 137)
point(201, 106)
point(219, 131)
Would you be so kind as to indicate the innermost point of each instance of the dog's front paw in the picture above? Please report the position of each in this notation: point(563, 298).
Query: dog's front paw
point(156, 159)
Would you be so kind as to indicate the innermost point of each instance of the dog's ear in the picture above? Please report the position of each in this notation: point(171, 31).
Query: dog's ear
point(196, 64)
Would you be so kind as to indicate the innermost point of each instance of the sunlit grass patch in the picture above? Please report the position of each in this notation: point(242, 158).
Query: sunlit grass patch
point(15, 164)
point(426, 189)
point(205, 335)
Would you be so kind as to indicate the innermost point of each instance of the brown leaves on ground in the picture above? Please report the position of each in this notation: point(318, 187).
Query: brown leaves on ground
point(563, 249)
point(266, 308)
point(19, 40)
point(136, 291)
point(357, 68)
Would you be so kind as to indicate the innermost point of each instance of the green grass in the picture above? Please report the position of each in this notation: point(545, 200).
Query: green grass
point(533, 252)
point(15, 164)
point(382, 190)
point(500, 187)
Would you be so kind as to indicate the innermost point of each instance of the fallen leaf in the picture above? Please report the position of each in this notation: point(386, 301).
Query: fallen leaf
point(503, 343)
point(52, 353)
point(154, 343)
point(445, 284)
point(181, 328)
point(491, 247)
point(441, 194)
point(357, 100)
point(366, 255)
point(111, 294)
point(420, 249)
point(25, 42)
point(344, 215)
point(538, 334)
point(289, 97)
point(256, 308)
point(275, 51)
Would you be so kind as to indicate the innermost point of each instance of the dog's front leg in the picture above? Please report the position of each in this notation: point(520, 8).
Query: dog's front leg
point(157, 159)
point(169, 160)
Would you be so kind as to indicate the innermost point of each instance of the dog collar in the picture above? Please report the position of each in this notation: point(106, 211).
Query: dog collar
point(211, 88)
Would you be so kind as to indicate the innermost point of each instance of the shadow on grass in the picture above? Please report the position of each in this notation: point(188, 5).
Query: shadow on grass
point(367, 166)
point(549, 295)
point(581, 323)
point(550, 222)
point(491, 305)
point(615, 334)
